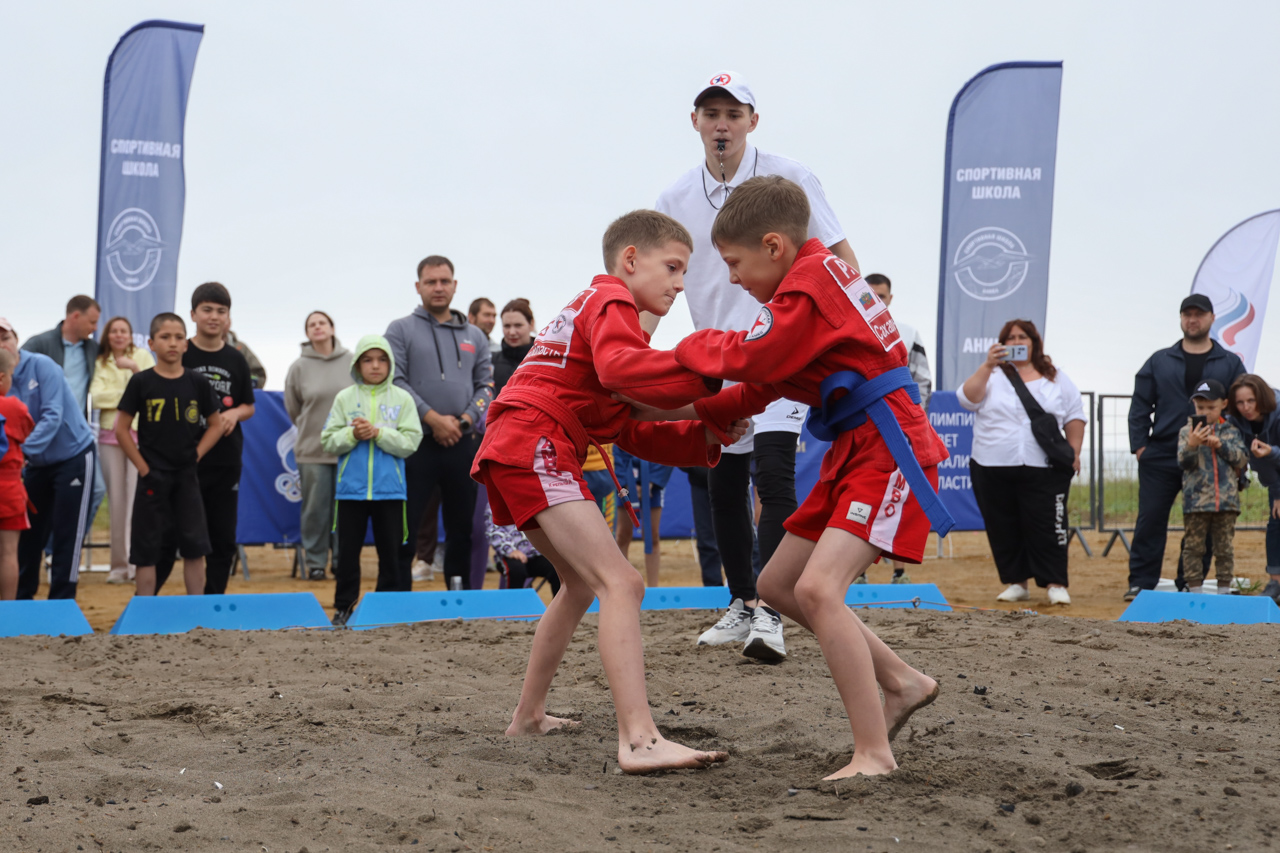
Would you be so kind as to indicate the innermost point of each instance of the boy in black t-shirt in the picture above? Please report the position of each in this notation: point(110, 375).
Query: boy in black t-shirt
point(227, 371)
point(171, 402)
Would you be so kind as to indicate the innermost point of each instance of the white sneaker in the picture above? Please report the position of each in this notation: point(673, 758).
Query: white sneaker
point(1015, 592)
point(1059, 595)
point(1195, 590)
point(423, 571)
point(118, 576)
point(734, 626)
point(765, 640)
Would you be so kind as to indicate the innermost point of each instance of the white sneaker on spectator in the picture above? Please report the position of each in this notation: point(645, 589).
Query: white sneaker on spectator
point(118, 576)
point(423, 571)
point(1015, 592)
point(765, 640)
point(734, 626)
point(1059, 595)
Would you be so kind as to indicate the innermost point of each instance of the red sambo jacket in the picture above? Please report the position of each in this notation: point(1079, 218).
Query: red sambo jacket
point(562, 390)
point(823, 319)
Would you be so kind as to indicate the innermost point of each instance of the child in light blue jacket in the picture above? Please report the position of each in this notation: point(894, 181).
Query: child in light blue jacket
point(371, 428)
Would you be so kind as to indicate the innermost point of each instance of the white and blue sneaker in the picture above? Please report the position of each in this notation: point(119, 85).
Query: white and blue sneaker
point(734, 626)
point(764, 643)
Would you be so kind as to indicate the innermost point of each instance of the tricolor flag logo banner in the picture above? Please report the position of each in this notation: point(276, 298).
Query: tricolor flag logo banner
point(1236, 275)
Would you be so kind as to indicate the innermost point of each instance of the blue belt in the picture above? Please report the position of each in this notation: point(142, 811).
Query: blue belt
point(865, 398)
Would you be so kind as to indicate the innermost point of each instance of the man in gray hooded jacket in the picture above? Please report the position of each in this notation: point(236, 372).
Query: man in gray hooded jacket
point(444, 364)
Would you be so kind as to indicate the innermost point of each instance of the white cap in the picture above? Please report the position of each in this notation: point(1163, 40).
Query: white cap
point(731, 84)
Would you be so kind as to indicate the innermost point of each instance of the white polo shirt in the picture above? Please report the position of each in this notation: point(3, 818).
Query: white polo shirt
point(715, 302)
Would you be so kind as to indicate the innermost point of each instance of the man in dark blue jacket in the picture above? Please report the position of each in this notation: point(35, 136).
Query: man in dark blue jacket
point(1160, 407)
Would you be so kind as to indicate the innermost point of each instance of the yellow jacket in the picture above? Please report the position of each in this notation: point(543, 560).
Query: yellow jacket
point(107, 386)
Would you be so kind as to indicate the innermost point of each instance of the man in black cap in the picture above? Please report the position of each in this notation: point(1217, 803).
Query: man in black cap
point(1160, 407)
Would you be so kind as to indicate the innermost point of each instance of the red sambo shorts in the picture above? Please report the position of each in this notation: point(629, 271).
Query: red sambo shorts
point(873, 505)
point(516, 495)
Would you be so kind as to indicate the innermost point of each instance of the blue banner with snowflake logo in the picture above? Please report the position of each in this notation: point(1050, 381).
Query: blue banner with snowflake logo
point(142, 186)
point(997, 211)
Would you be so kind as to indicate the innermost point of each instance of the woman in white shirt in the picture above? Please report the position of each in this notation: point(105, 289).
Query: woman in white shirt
point(1022, 498)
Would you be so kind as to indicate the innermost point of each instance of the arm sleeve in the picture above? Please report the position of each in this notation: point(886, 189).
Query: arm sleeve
point(406, 436)
point(737, 401)
point(247, 379)
point(966, 403)
point(625, 363)
point(48, 416)
point(400, 355)
point(823, 222)
point(104, 392)
point(793, 340)
point(129, 401)
point(674, 443)
point(1073, 402)
point(1233, 449)
point(1141, 405)
point(292, 395)
point(337, 437)
point(918, 361)
point(481, 380)
point(1188, 457)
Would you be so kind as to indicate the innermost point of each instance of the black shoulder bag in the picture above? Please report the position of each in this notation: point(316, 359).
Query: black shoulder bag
point(1044, 426)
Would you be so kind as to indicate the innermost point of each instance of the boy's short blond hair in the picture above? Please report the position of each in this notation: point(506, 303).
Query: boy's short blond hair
point(644, 229)
point(769, 203)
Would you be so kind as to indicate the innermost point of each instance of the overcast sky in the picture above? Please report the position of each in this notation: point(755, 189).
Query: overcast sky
point(330, 146)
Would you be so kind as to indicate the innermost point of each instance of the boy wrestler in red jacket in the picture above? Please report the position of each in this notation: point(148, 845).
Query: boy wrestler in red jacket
point(824, 338)
point(558, 402)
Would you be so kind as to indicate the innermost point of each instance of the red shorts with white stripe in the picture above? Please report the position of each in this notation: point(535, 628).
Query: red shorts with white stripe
point(516, 495)
point(15, 522)
point(872, 505)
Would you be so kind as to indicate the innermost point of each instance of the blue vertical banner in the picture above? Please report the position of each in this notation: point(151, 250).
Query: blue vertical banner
point(997, 210)
point(142, 185)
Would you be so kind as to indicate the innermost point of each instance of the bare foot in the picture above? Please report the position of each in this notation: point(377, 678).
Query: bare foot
point(539, 725)
point(863, 766)
point(914, 695)
point(658, 753)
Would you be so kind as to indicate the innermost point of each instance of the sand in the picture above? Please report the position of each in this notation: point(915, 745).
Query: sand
point(1091, 735)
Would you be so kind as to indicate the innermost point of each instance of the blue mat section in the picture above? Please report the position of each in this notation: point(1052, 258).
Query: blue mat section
point(398, 608)
point(680, 598)
point(1152, 606)
point(896, 595)
point(51, 618)
point(177, 614)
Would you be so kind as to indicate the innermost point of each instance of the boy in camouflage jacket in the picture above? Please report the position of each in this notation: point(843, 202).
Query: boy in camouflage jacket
point(1212, 456)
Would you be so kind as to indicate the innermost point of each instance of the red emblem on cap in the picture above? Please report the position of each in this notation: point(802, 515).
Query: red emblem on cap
point(721, 80)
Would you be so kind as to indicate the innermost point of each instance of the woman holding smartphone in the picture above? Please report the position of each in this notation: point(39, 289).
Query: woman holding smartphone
point(1022, 496)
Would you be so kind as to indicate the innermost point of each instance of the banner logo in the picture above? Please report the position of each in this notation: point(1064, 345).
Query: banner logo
point(133, 249)
point(990, 264)
point(1237, 316)
point(288, 484)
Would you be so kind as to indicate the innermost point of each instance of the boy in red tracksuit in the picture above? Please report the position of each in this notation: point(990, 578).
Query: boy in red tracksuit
point(15, 425)
point(560, 401)
point(824, 338)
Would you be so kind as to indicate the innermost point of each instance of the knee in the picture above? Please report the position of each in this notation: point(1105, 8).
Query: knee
point(812, 595)
point(626, 587)
point(770, 589)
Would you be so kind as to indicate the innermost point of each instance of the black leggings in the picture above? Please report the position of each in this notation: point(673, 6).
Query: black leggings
point(732, 511)
point(1025, 513)
point(388, 534)
point(537, 567)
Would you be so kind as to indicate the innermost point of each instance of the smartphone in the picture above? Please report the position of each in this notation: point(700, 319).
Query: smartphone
point(1198, 421)
point(1016, 352)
